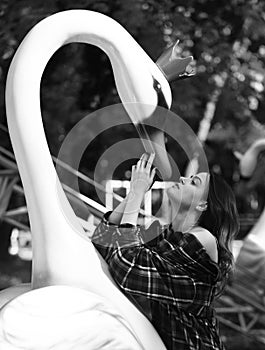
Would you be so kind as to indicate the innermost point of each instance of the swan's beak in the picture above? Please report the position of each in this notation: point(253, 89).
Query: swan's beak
point(151, 129)
point(153, 137)
point(144, 89)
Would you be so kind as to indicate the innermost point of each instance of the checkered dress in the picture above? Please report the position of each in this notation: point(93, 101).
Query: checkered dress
point(169, 276)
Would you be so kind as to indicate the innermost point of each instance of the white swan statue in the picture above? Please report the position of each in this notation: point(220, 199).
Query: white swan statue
point(72, 302)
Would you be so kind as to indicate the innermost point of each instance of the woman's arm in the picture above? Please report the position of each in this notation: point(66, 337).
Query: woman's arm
point(106, 236)
point(136, 194)
point(141, 180)
point(116, 216)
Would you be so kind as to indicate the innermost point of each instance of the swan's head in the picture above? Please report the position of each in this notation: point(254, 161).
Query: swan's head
point(172, 68)
point(142, 84)
point(144, 89)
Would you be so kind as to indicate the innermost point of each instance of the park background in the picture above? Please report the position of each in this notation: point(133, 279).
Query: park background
point(224, 103)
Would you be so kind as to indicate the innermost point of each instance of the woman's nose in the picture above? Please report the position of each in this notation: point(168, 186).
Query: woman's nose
point(182, 180)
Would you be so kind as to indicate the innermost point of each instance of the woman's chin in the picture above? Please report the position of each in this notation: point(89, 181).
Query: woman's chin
point(173, 193)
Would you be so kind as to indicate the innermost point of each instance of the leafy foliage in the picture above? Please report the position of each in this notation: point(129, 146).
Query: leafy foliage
point(227, 41)
point(225, 38)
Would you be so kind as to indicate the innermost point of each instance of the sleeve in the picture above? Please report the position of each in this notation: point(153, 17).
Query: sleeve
point(188, 252)
point(108, 237)
point(140, 268)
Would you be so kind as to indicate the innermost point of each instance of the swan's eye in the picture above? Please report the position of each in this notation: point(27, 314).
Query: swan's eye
point(157, 86)
point(161, 97)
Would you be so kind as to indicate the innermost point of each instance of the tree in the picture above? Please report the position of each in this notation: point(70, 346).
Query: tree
point(226, 40)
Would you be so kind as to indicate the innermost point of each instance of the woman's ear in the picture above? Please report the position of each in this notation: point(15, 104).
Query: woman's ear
point(202, 206)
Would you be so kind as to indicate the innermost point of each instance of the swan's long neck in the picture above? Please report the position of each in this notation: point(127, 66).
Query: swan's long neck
point(23, 96)
point(59, 255)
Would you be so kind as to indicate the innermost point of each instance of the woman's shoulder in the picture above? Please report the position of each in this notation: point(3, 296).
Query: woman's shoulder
point(207, 240)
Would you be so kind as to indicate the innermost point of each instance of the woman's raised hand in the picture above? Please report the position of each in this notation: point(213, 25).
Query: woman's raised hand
point(142, 175)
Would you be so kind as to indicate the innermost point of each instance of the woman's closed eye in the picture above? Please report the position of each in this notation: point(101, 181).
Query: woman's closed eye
point(196, 181)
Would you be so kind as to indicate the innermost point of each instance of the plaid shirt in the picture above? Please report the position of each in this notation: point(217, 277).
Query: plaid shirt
point(169, 276)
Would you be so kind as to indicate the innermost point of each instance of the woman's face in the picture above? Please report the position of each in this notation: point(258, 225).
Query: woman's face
point(189, 192)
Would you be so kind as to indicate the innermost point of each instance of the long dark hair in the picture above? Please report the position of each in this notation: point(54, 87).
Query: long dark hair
point(221, 219)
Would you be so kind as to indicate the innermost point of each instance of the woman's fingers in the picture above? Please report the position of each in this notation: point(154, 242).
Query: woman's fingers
point(141, 161)
point(142, 177)
point(146, 161)
point(153, 172)
point(150, 161)
point(152, 177)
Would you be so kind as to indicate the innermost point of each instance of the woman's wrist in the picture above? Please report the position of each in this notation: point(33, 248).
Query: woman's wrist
point(134, 200)
point(133, 206)
point(133, 194)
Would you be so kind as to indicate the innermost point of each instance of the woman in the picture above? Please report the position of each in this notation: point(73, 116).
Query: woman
point(173, 272)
